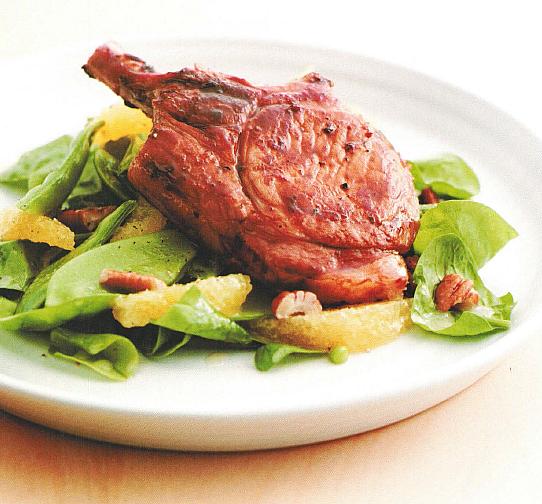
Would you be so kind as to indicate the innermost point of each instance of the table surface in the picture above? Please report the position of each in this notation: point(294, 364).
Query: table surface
point(483, 445)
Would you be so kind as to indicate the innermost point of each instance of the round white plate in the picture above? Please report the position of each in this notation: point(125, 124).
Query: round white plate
point(219, 401)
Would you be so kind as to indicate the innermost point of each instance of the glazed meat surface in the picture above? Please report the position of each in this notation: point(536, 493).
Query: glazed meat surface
point(292, 188)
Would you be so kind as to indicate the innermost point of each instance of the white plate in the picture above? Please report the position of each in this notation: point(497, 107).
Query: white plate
point(196, 401)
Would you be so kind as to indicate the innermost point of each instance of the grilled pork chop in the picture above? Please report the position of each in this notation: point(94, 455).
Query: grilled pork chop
point(294, 189)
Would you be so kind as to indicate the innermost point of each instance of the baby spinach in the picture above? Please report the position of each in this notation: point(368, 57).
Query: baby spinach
point(43, 159)
point(447, 254)
point(35, 294)
point(47, 318)
point(167, 342)
point(163, 254)
point(271, 354)
point(111, 355)
point(113, 172)
point(194, 315)
point(48, 197)
point(7, 306)
point(447, 175)
point(89, 190)
point(106, 168)
point(18, 264)
point(482, 230)
point(136, 142)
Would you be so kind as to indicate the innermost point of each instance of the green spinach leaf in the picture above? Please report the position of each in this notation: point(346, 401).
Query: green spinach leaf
point(89, 190)
point(271, 354)
point(447, 175)
point(482, 230)
point(7, 307)
point(107, 169)
point(163, 254)
point(194, 315)
point(18, 264)
point(167, 342)
point(47, 318)
point(111, 355)
point(447, 254)
point(43, 159)
point(35, 294)
point(136, 142)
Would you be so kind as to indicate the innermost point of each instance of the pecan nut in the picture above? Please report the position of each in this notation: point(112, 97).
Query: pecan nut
point(127, 282)
point(84, 220)
point(428, 196)
point(288, 304)
point(455, 291)
point(411, 262)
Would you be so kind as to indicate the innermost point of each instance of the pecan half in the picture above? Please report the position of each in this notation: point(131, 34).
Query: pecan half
point(84, 220)
point(428, 196)
point(126, 282)
point(287, 304)
point(455, 291)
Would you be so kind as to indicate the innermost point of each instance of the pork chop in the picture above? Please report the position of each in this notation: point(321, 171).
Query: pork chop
point(293, 189)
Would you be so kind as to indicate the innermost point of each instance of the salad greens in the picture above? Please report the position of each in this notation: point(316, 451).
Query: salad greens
point(89, 190)
point(447, 254)
point(107, 169)
point(35, 294)
point(48, 197)
point(271, 354)
point(62, 295)
point(19, 263)
point(166, 342)
point(42, 160)
point(448, 176)
point(111, 355)
point(195, 316)
point(483, 230)
point(49, 317)
point(163, 254)
point(136, 142)
point(7, 306)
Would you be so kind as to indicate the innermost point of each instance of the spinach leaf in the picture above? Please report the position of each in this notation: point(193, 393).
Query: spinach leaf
point(47, 197)
point(111, 355)
point(447, 175)
point(136, 142)
point(167, 342)
point(163, 254)
point(18, 264)
point(47, 318)
point(44, 159)
point(113, 173)
point(89, 190)
point(447, 254)
point(107, 167)
point(35, 294)
point(271, 354)
point(194, 315)
point(426, 207)
point(482, 230)
point(7, 306)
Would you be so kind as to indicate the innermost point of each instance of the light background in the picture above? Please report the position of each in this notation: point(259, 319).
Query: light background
point(484, 445)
